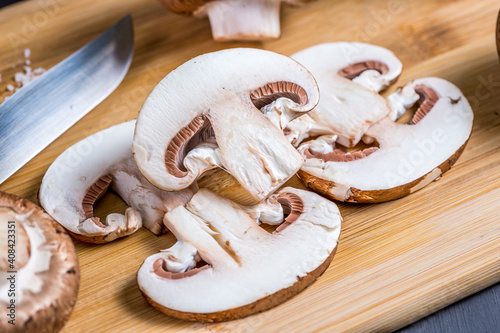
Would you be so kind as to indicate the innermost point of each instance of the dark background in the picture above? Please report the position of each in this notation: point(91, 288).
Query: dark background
point(479, 313)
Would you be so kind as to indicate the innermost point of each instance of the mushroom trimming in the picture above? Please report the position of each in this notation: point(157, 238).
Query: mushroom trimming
point(225, 266)
point(236, 19)
point(45, 284)
point(224, 109)
point(83, 173)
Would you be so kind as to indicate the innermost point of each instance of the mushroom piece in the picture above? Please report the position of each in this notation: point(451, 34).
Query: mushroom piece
point(350, 75)
point(225, 266)
point(83, 173)
point(205, 114)
point(236, 19)
point(409, 156)
point(39, 271)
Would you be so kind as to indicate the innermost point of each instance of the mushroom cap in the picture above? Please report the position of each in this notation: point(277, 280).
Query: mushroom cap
point(248, 269)
point(46, 284)
point(82, 173)
point(216, 96)
point(350, 75)
point(410, 156)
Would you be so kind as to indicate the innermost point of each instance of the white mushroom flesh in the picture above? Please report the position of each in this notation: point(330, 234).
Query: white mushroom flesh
point(180, 258)
point(322, 145)
point(269, 211)
point(31, 257)
point(238, 253)
point(304, 127)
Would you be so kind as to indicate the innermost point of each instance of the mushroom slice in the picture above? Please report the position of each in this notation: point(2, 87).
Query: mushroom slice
point(410, 155)
point(236, 19)
point(205, 114)
point(39, 271)
point(83, 173)
point(225, 266)
point(350, 75)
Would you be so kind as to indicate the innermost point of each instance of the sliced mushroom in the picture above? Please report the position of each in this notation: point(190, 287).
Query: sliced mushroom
point(350, 75)
point(39, 271)
point(236, 19)
point(410, 155)
point(205, 114)
point(83, 173)
point(224, 266)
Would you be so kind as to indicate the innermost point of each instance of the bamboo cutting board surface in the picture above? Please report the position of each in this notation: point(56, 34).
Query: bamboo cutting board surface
point(396, 262)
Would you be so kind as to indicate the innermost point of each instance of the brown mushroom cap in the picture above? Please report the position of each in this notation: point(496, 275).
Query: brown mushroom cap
point(45, 307)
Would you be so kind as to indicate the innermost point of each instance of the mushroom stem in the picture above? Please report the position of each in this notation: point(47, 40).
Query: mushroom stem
point(243, 19)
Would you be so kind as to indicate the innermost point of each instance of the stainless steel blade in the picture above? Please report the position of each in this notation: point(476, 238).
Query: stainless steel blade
point(44, 109)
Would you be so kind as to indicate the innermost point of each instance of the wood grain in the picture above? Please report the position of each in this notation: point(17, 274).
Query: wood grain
point(396, 262)
point(477, 313)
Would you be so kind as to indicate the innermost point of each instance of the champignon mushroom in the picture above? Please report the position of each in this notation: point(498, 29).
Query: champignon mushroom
point(410, 155)
point(350, 75)
point(205, 114)
point(224, 266)
point(83, 173)
point(236, 19)
point(39, 271)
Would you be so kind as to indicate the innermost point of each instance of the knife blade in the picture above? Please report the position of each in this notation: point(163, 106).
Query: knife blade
point(48, 106)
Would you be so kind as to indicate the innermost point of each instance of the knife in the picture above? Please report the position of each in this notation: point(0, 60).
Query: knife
point(44, 109)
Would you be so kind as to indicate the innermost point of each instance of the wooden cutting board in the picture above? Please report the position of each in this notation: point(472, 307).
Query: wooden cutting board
point(397, 261)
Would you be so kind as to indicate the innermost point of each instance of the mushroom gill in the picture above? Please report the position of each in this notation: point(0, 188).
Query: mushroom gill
point(160, 269)
point(197, 131)
point(428, 97)
point(354, 70)
point(293, 207)
point(93, 194)
point(339, 155)
point(272, 91)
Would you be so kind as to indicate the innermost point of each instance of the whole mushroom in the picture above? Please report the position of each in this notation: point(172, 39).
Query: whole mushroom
point(83, 173)
point(224, 109)
point(39, 271)
point(236, 19)
point(225, 266)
